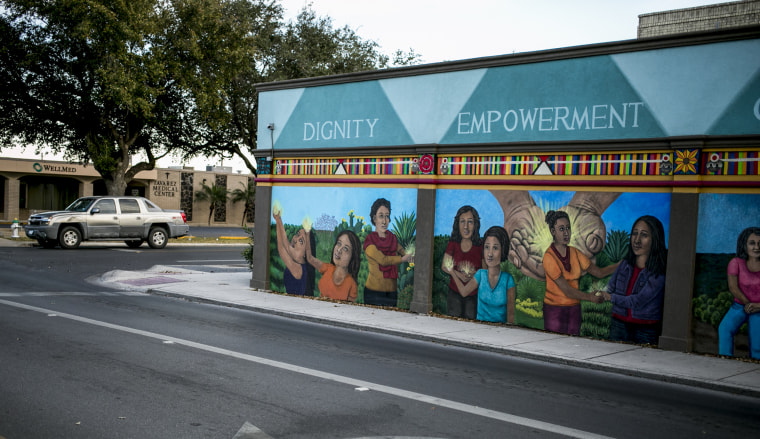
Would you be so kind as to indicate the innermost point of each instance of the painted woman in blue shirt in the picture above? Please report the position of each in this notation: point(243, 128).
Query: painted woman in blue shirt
point(496, 289)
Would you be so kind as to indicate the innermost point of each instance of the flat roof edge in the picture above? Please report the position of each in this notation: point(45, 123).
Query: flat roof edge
point(596, 49)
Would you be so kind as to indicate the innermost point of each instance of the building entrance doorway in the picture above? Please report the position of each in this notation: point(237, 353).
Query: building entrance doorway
point(47, 193)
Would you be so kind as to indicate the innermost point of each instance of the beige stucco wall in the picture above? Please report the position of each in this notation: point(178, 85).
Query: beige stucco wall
point(162, 186)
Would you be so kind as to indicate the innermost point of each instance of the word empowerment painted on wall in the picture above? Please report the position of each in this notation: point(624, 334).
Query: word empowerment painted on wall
point(594, 117)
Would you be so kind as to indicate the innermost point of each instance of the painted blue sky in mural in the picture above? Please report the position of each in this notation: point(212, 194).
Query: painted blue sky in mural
point(298, 202)
point(619, 216)
point(722, 217)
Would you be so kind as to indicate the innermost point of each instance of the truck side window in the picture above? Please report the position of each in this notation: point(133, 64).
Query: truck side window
point(151, 207)
point(129, 206)
point(106, 206)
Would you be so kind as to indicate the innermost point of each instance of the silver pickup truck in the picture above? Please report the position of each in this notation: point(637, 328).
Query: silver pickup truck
point(132, 219)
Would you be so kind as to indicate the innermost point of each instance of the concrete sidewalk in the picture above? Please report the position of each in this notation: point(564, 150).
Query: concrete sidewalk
point(229, 286)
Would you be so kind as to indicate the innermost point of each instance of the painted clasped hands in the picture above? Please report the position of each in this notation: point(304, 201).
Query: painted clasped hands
point(600, 296)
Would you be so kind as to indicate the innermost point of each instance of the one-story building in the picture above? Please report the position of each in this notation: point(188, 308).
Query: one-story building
point(28, 186)
point(666, 127)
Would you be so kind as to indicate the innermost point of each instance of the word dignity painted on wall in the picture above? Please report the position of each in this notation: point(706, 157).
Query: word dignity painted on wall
point(339, 129)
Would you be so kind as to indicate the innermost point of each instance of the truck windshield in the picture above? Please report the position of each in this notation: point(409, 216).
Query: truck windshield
point(80, 205)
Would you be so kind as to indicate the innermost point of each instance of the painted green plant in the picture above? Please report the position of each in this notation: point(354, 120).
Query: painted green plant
point(712, 309)
point(596, 319)
point(617, 245)
point(354, 223)
point(404, 227)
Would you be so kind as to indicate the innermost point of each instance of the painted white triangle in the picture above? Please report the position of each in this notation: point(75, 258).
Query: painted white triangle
point(340, 170)
point(427, 104)
point(279, 107)
point(691, 87)
point(543, 169)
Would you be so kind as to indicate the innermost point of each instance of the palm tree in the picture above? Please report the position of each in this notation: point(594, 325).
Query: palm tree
point(214, 195)
point(248, 195)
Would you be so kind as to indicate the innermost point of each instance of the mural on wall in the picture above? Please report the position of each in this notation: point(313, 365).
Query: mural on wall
point(642, 97)
point(726, 304)
point(585, 263)
point(352, 244)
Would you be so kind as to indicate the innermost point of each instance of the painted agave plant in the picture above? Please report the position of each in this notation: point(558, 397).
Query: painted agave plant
point(617, 245)
point(404, 228)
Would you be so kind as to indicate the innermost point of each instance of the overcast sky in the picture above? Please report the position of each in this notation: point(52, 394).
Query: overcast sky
point(447, 30)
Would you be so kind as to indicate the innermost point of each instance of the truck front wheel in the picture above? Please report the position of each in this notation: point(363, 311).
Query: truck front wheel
point(70, 237)
point(158, 237)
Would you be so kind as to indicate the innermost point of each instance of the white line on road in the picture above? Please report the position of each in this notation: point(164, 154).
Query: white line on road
point(454, 405)
point(63, 293)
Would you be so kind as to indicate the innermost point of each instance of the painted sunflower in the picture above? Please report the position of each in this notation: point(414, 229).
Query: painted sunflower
point(686, 161)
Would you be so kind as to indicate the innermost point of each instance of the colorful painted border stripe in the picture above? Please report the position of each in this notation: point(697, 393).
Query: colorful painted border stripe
point(734, 163)
point(488, 165)
point(731, 163)
point(607, 164)
point(579, 164)
point(350, 166)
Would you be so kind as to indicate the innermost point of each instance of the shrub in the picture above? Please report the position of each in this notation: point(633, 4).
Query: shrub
point(248, 251)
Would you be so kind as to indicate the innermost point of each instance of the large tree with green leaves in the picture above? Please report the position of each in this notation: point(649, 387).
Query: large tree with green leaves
point(308, 46)
point(106, 81)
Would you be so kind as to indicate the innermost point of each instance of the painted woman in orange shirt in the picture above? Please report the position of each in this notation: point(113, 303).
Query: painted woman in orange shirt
point(564, 265)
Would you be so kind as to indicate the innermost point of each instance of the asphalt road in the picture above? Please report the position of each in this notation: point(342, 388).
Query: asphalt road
point(86, 362)
point(199, 231)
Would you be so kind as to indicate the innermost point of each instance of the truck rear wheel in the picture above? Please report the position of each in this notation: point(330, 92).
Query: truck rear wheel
point(158, 237)
point(70, 237)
